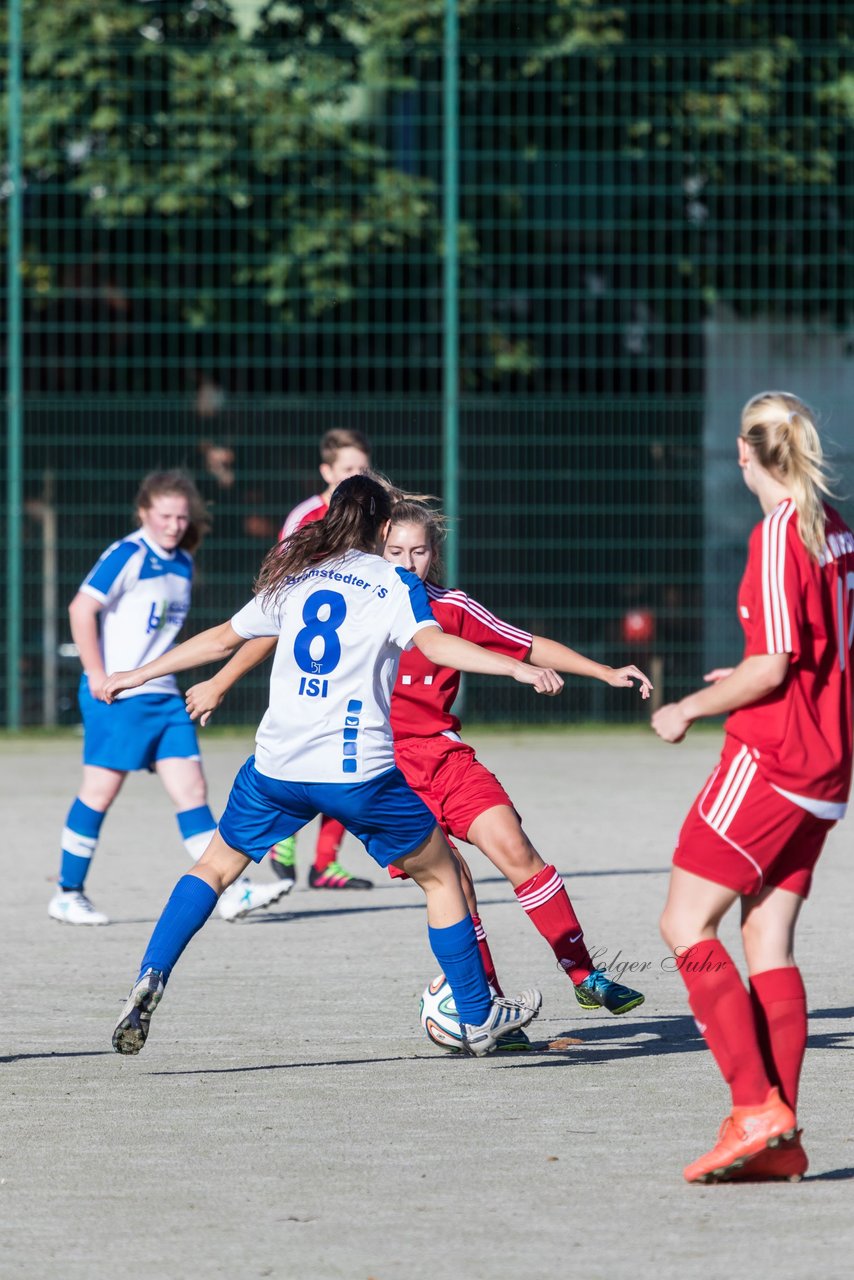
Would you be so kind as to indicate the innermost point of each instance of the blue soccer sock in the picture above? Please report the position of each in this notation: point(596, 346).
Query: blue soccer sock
point(79, 840)
point(457, 951)
point(196, 827)
point(188, 908)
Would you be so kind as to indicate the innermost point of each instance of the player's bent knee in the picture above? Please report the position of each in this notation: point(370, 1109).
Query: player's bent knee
point(664, 928)
point(524, 861)
point(220, 865)
point(673, 930)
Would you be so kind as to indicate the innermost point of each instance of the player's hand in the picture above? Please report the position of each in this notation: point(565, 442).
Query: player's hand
point(719, 673)
point(202, 701)
point(543, 679)
point(118, 682)
point(670, 723)
point(625, 677)
point(96, 686)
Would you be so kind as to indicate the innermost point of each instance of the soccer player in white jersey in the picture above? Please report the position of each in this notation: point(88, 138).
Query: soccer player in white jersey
point(468, 801)
point(343, 453)
point(128, 610)
point(342, 616)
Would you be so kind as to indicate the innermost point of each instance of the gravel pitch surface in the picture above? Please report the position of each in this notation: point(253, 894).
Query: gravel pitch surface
point(288, 1118)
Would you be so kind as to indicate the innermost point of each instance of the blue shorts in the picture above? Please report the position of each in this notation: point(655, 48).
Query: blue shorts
point(135, 732)
point(384, 813)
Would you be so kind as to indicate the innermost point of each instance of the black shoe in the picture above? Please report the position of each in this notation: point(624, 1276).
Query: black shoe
point(283, 860)
point(335, 877)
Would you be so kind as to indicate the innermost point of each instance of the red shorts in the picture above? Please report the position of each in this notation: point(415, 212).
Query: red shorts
point(743, 834)
point(451, 781)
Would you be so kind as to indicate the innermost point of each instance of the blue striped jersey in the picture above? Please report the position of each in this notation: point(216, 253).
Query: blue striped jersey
point(145, 594)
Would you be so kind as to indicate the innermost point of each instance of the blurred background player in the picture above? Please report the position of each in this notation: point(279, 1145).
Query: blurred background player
point(756, 830)
point(128, 610)
point(340, 615)
point(343, 453)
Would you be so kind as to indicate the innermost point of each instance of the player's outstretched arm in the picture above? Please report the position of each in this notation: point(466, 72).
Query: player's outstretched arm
point(212, 645)
point(202, 699)
point(754, 678)
point(453, 651)
point(551, 653)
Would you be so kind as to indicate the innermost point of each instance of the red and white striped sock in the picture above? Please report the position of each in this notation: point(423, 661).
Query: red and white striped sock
point(547, 904)
point(486, 955)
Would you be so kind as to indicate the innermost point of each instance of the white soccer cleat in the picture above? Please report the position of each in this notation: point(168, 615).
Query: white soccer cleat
point(243, 897)
point(505, 1017)
point(71, 906)
point(132, 1028)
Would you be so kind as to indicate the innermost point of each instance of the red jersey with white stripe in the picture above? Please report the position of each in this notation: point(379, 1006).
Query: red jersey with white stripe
point(788, 602)
point(314, 508)
point(424, 693)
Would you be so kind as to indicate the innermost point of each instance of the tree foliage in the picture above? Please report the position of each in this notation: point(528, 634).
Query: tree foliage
point(249, 146)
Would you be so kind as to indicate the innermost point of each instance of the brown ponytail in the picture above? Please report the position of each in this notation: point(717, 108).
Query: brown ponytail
point(358, 509)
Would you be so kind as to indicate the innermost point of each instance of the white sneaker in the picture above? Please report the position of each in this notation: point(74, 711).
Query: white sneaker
point(242, 897)
point(71, 906)
point(505, 1017)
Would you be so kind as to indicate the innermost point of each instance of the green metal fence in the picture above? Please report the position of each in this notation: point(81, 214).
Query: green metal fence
point(542, 285)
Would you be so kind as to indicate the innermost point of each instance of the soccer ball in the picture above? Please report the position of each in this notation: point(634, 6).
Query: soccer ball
point(439, 1014)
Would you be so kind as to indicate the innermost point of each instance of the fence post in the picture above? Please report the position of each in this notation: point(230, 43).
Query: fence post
point(13, 384)
point(450, 216)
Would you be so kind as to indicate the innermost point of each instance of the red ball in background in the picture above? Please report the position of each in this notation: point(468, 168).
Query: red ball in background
point(638, 626)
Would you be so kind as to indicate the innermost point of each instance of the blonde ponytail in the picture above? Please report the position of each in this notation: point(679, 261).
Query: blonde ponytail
point(782, 431)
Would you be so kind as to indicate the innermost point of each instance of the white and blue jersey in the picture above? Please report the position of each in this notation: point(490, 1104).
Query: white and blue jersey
point(145, 594)
point(342, 626)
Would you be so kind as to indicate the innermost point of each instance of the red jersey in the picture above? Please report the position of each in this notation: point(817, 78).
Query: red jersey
point(303, 513)
point(424, 693)
point(801, 734)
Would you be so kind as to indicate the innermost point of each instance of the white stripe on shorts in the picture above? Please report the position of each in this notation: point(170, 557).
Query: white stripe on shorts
point(733, 790)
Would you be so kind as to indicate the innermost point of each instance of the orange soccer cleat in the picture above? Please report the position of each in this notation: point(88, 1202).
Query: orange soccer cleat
point(745, 1133)
point(786, 1163)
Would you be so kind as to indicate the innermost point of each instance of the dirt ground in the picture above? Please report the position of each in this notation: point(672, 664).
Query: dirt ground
point(288, 1118)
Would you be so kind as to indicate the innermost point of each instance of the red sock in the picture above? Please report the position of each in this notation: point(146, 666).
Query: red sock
point(780, 1013)
point(328, 842)
point(721, 1005)
point(547, 904)
point(486, 955)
